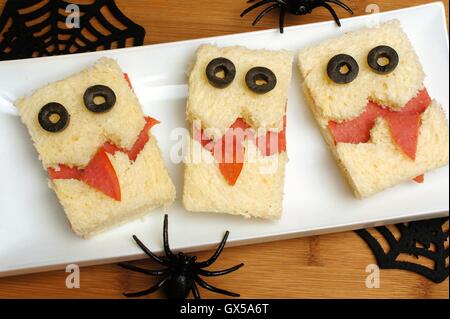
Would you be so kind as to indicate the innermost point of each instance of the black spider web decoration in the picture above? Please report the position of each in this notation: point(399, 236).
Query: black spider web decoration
point(36, 28)
point(425, 241)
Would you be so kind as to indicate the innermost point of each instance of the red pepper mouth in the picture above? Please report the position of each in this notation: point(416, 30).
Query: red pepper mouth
point(100, 173)
point(404, 124)
point(229, 150)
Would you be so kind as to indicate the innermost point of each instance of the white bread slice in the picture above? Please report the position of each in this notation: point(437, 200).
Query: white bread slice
point(380, 164)
point(341, 102)
point(145, 183)
point(258, 192)
point(219, 108)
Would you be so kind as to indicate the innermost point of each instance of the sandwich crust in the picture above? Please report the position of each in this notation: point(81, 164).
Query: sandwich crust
point(378, 164)
point(144, 183)
point(259, 189)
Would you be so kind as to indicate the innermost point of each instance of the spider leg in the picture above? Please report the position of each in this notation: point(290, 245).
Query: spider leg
point(256, 5)
point(282, 16)
point(142, 270)
point(156, 287)
point(195, 291)
point(207, 273)
point(341, 4)
point(333, 13)
point(215, 289)
point(148, 252)
point(216, 255)
point(167, 250)
point(264, 12)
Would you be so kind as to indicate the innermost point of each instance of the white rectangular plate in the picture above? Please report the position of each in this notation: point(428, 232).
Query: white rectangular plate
point(35, 235)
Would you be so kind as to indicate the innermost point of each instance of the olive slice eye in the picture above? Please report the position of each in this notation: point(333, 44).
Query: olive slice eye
point(261, 80)
point(99, 92)
point(53, 117)
point(220, 72)
point(383, 59)
point(343, 69)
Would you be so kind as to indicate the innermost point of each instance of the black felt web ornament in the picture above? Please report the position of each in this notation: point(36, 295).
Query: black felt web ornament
point(35, 28)
point(425, 241)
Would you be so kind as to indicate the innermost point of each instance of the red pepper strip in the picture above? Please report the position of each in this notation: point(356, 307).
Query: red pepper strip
point(127, 78)
point(420, 179)
point(405, 132)
point(229, 151)
point(100, 173)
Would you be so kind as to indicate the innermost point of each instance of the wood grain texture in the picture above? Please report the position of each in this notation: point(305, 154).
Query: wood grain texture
point(331, 266)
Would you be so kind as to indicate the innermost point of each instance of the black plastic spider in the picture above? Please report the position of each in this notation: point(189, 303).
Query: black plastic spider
point(183, 271)
point(297, 7)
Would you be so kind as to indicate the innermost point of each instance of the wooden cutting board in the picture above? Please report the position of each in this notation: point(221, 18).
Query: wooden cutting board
point(331, 266)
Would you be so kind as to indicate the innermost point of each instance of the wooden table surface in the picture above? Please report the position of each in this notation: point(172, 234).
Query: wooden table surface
point(331, 266)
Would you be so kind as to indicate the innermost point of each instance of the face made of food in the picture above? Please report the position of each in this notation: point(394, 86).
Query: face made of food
point(76, 122)
point(236, 89)
point(362, 76)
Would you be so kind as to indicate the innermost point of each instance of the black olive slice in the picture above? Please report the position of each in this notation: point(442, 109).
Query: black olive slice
point(261, 80)
point(383, 52)
point(97, 91)
point(343, 69)
point(220, 72)
point(54, 117)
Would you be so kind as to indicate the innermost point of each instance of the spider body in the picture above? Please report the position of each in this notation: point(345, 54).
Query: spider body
point(295, 7)
point(298, 7)
point(180, 284)
point(182, 273)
